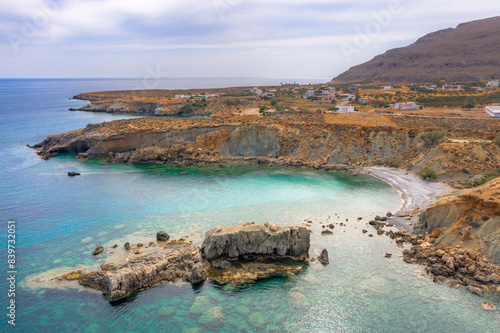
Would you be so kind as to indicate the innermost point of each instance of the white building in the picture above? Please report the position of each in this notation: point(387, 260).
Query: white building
point(257, 91)
point(493, 84)
point(345, 109)
point(451, 87)
point(309, 93)
point(493, 111)
point(387, 87)
point(407, 106)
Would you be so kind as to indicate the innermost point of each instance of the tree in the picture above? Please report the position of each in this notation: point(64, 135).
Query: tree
point(274, 102)
point(262, 110)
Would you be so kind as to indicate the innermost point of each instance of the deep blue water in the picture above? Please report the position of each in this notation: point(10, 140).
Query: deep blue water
point(60, 220)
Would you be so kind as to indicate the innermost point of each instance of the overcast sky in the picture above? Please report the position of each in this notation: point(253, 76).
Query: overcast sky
point(214, 38)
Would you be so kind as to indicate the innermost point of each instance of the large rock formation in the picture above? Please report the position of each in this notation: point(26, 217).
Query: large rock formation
point(118, 281)
point(467, 53)
point(469, 219)
point(182, 261)
point(248, 241)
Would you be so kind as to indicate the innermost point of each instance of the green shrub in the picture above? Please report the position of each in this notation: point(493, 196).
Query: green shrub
point(485, 218)
point(428, 173)
point(432, 139)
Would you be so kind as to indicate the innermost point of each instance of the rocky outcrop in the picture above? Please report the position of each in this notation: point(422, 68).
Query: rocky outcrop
point(469, 219)
point(140, 108)
point(118, 281)
point(455, 265)
point(249, 241)
point(236, 254)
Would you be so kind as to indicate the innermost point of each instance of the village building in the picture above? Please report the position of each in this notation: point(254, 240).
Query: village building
point(493, 84)
point(451, 87)
point(387, 87)
point(493, 110)
point(345, 109)
point(407, 106)
point(309, 93)
point(256, 91)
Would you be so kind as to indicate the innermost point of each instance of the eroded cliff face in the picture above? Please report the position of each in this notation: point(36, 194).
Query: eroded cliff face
point(470, 219)
point(166, 140)
point(287, 141)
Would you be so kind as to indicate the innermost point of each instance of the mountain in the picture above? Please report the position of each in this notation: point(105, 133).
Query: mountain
point(470, 52)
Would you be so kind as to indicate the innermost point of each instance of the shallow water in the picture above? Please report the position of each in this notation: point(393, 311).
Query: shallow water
point(61, 219)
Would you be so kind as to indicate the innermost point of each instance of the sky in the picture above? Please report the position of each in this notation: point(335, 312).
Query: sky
point(214, 38)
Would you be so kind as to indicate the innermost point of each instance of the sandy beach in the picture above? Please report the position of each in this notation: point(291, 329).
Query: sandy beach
point(416, 194)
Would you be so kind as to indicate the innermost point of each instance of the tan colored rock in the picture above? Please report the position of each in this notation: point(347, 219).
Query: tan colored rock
point(489, 307)
point(219, 229)
point(274, 227)
point(437, 232)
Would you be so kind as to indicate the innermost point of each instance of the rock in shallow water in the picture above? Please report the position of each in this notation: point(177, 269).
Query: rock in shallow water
point(290, 242)
point(98, 250)
point(162, 236)
point(118, 281)
point(489, 306)
point(323, 257)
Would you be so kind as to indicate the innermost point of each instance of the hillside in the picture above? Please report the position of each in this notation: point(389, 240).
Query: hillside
point(470, 52)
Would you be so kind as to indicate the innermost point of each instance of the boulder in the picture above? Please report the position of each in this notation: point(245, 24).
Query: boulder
point(98, 250)
point(475, 290)
point(244, 241)
point(118, 281)
point(73, 174)
point(162, 236)
point(323, 257)
point(127, 246)
point(489, 307)
point(440, 279)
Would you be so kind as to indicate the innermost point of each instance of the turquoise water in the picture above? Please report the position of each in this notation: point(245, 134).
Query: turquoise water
point(61, 219)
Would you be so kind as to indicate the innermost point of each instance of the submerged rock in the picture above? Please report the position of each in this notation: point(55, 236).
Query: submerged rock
point(73, 174)
point(118, 281)
point(246, 241)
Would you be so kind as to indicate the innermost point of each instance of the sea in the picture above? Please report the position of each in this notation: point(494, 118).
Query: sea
point(58, 220)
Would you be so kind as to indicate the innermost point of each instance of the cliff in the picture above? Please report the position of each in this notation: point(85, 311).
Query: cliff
point(467, 53)
point(287, 139)
point(470, 218)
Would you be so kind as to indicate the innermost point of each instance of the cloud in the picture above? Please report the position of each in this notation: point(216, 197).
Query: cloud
point(242, 32)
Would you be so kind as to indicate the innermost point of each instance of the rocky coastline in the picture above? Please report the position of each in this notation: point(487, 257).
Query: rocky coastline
point(306, 141)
